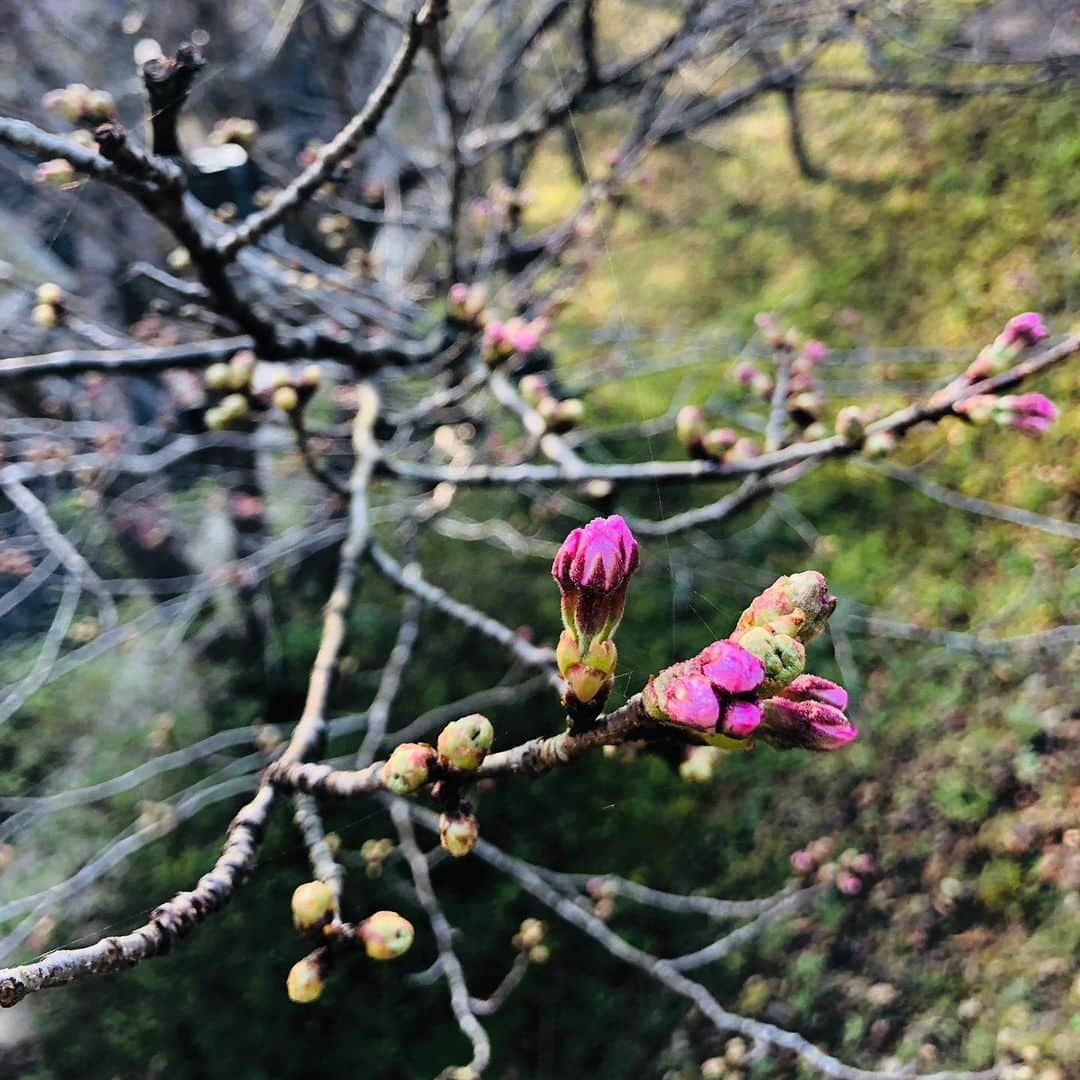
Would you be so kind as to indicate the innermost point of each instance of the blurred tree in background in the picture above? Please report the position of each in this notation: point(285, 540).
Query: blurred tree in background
point(634, 183)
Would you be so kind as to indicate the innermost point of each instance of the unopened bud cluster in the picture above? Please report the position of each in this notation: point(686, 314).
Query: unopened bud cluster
point(848, 872)
point(78, 104)
point(707, 443)
point(1032, 414)
point(558, 415)
point(49, 305)
point(236, 401)
point(753, 684)
point(1022, 332)
point(502, 339)
point(530, 940)
point(593, 568)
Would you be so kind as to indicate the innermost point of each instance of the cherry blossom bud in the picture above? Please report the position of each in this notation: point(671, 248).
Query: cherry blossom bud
point(814, 352)
point(744, 449)
point(739, 719)
point(593, 569)
point(585, 683)
point(386, 935)
point(312, 905)
point(241, 369)
point(1030, 413)
point(689, 700)
point(458, 831)
point(716, 442)
point(817, 688)
point(850, 425)
point(698, 766)
point(979, 409)
point(464, 743)
point(48, 292)
point(782, 656)
point(310, 377)
point(689, 425)
point(763, 385)
point(530, 934)
point(731, 668)
point(533, 388)
point(805, 724)
point(568, 414)
point(848, 883)
point(746, 372)
point(1026, 329)
point(45, 316)
point(879, 444)
point(214, 420)
point(217, 377)
point(799, 605)
point(286, 399)
point(234, 407)
point(306, 981)
point(57, 173)
point(802, 861)
point(408, 768)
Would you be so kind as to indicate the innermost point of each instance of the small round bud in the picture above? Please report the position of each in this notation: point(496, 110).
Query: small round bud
point(311, 376)
point(689, 425)
point(44, 315)
point(408, 767)
point(234, 407)
point(717, 442)
point(458, 832)
point(464, 743)
point(530, 934)
point(214, 419)
point(879, 444)
point(699, 764)
point(241, 369)
point(386, 935)
point(306, 981)
point(783, 657)
point(48, 292)
point(216, 377)
point(286, 399)
point(539, 954)
point(850, 425)
point(312, 905)
point(179, 258)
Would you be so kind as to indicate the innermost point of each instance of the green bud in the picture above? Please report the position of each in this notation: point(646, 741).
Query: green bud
point(784, 657)
point(312, 905)
point(386, 935)
point(306, 981)
point(217, 377)
point(464, 743)
point(408, 767)
point(459, 831)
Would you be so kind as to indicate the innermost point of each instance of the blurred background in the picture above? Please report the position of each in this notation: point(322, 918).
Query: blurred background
point(901, 227)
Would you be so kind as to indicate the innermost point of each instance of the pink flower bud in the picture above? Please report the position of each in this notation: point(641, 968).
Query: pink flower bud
point(816, 688)
point(746, 372)
point(1026, 330)
point(848, 883)
point(814, 352)
point(593, 569)
point(730, 668)
point(690, 700)
point(716, 442)
point(1030, 413)
point(740, 719)
point(802, 861)
point(744, 449)
point(689, 425)
point(807, 725)
point(863, 863)
point(979, 409)
point(459, 292)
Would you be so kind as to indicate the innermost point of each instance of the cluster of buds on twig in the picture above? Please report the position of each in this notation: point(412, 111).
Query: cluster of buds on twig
point(56, 173)
point(593, 568)
point(1030, 413)
point(707, 443)
point(462, 746)
point(847, 872)
point(49, 307)
point(530, 940)
point(753, 685)
point(1022, 332)
point(558, 415)
point(78, 104)
point(375, 853)
point(385, 935)
point(231, 386)
point(502, 338)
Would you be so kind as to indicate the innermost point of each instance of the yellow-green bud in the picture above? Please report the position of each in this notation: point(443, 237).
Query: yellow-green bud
point(699, 764)
point(312, 905)
point(234, 407)
point(408, 767)
point(48, 292)
point(214, 419)
point(458, 832)
point(530, 934)
point(44, 315)
point(217, 377)
point(464, 743)
point(386, 935)
point(306, 981)
point(783, 657)
point(286, 399)
point(241, 369)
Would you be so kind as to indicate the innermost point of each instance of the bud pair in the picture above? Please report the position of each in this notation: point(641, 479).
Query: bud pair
point(466, 302)
point(1021, 332)
point(590, 675)
point(809, 715)
point(1031, 413)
